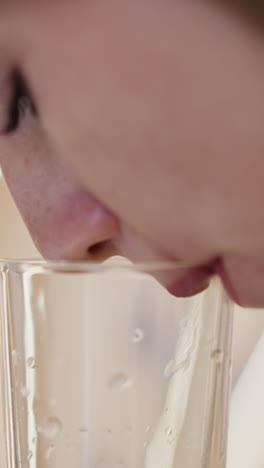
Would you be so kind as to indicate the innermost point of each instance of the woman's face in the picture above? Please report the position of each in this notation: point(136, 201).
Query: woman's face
point(145, 138)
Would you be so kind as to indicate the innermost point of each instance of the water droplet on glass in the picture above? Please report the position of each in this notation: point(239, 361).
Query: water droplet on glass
point(120, 381)
point(31, 362)
point(169, 435)
point(14, 357)
point(172, 367)
point(29, 455)
point(109, 431)
point(40, 301)
point(138, 335)
point(217, 355)
point(34, 440)
point(49, 451)
point(168, 431)
point(51, 427)
point(25, 392)
point(83, 429)
point(148, 429)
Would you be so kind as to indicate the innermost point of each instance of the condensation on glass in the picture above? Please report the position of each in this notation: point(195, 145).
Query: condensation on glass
point(102, 368)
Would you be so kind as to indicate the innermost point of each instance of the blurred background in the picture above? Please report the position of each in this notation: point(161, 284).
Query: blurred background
point(15, 242)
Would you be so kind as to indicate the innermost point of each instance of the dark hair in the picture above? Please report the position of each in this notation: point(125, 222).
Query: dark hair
point(253, 10)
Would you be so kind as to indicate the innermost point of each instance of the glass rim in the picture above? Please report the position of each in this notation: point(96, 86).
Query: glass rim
point(67, 266)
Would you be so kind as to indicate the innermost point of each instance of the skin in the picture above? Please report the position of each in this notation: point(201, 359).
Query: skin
point(149, 141)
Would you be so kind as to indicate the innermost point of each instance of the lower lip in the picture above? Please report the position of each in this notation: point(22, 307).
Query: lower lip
point(194, 282)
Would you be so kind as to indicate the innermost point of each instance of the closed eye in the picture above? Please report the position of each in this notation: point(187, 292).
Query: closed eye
point(21, 101)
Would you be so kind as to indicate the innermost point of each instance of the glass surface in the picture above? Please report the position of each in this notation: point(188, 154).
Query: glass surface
point(102, 368)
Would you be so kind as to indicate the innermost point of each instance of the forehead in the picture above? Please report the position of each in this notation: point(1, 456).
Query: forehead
point(17, 17)
point(11, 8)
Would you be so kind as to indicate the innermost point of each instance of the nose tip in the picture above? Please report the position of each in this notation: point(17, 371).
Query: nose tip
point(95, 239)
point(101, 251)
point(94, 242)
point(79, 229)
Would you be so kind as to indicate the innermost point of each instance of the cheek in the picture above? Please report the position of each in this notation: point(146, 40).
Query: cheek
point(64, 219)
point(151, 119)
point(24, 158)
point(33, 177)
point(27, 190)
point(144, 116)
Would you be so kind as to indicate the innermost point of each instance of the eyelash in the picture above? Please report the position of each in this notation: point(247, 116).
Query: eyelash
point(20, 102)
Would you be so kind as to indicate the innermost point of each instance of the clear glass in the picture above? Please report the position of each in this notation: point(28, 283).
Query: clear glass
point(102, 368)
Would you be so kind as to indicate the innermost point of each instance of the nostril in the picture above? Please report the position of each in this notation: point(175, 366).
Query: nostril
point(102, 250)
point(96, 249)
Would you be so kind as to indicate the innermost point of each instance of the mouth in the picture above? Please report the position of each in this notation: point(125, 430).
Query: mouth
point(193, 282)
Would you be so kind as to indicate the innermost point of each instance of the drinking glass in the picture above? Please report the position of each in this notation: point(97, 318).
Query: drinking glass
point(101, 367)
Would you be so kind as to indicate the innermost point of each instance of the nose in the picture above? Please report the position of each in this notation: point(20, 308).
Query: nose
point(65, 220)
point(78, 227)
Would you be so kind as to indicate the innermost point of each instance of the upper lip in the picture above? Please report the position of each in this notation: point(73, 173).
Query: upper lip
point(193, 281)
